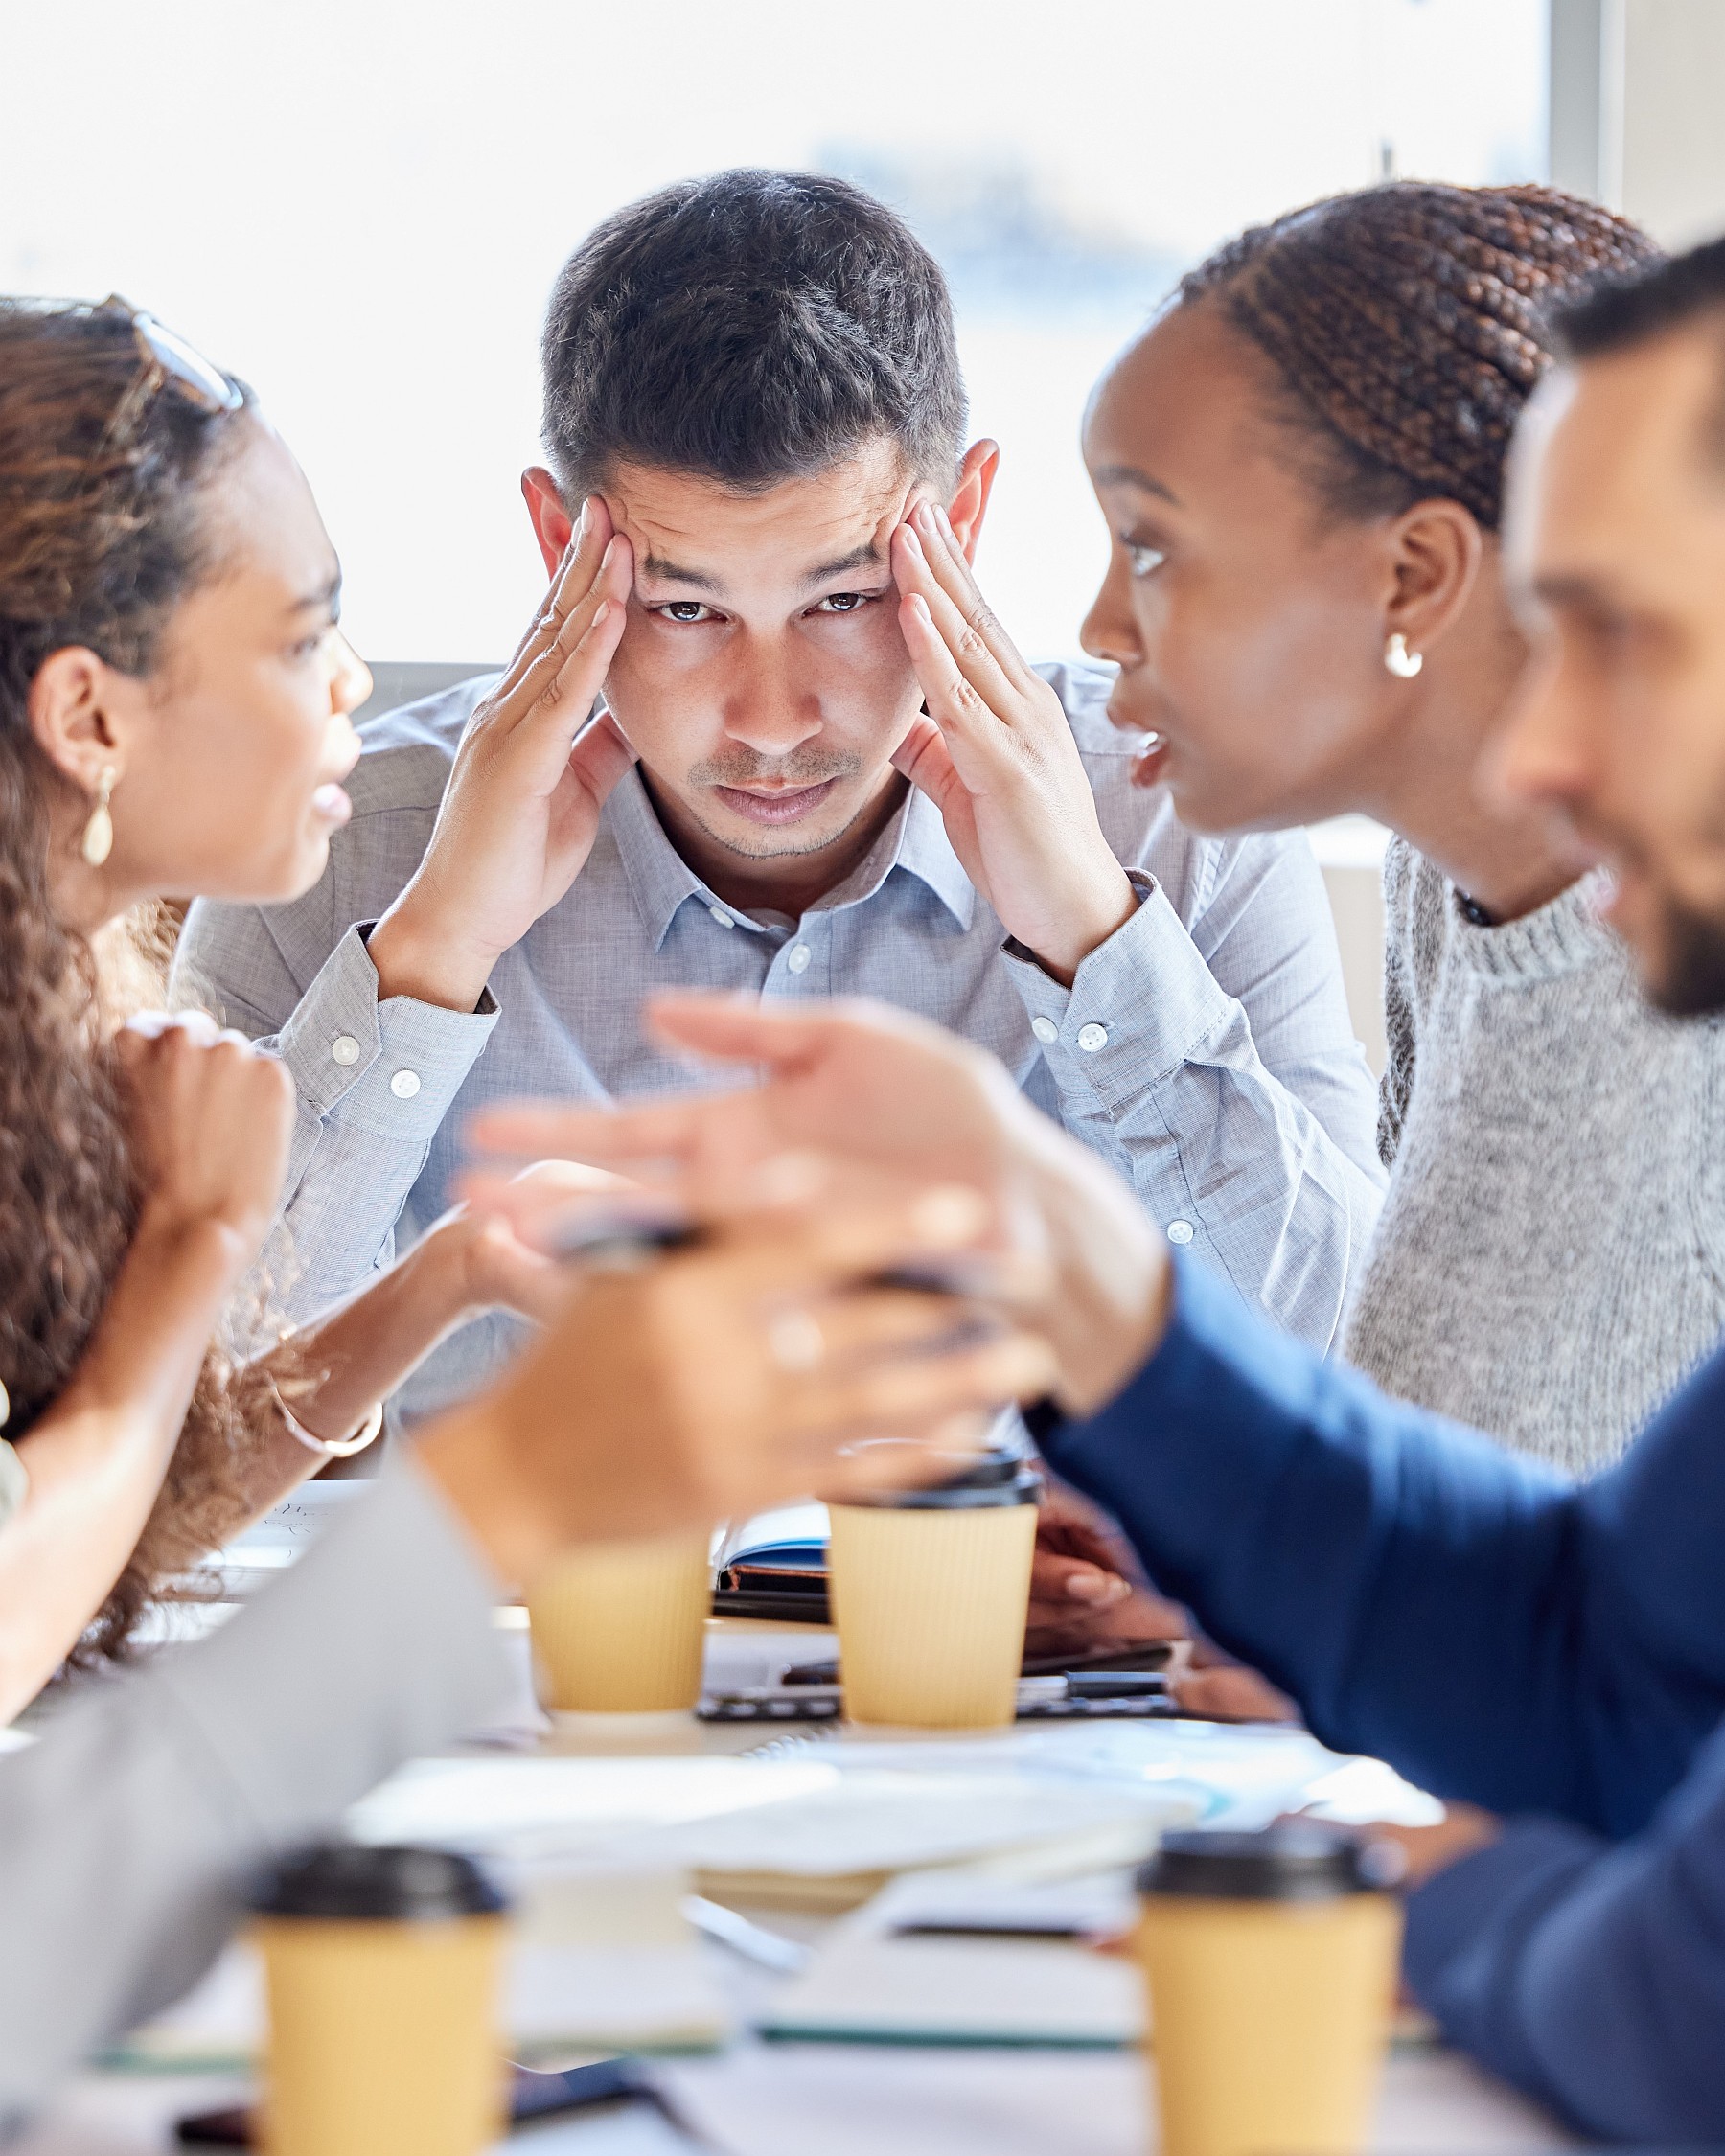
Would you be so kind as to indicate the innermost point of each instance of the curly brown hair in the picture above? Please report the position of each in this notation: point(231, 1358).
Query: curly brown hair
point(1407, 324)
point(101, 537)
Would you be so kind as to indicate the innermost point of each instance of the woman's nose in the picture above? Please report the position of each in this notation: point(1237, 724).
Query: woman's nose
point(1108, 631)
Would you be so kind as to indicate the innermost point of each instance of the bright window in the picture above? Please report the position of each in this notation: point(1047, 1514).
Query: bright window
point(361, 208)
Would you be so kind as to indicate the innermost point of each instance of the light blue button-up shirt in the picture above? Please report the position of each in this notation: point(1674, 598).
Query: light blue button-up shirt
point(1205, 1049)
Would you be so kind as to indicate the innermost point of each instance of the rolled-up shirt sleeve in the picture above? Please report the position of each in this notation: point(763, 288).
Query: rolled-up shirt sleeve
point(1212, 1061)
point(127, 1829)
point(374, 1080)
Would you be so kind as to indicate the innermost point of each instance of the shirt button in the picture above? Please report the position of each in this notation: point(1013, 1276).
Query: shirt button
point(1180, 1232)
point(722, 918)
point(1092, 1037)
point(799, 960)
point(344, 1049)
point(405, 1083)
point(1046, 1030)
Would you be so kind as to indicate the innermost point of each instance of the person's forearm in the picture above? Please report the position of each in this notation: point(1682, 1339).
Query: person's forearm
point(359, 1144)
point(332, 1374)
point(1182, 1093)
point(96, 1459)
point(1590, 1975)
point(417, 954)
point(1420, 1593)
point(128, 1831)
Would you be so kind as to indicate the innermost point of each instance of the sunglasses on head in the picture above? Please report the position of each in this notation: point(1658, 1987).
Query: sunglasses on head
point(166, 360)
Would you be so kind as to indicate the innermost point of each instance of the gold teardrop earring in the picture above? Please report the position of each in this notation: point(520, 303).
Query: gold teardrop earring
point(1403, 663)
point(98, 832)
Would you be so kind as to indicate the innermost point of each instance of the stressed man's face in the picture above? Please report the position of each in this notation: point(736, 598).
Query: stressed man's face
point(762, 678)
point(1615, 542)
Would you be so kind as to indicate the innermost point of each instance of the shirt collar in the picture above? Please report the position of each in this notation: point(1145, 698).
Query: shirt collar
point(660, 879)
point(924, 850)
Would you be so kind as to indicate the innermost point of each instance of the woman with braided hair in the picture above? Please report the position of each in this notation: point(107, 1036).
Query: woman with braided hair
point(1303, 463)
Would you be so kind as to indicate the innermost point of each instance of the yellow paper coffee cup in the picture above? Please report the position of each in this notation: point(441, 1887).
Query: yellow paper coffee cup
point(383, 1972)
point(930, 1594)
point(620, 1628)
point(1271, 1961)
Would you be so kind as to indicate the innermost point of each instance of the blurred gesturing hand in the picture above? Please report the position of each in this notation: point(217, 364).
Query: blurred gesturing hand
point(522, 809)
point(995, 756)
point(210, 1119)
point(883, 1092)
point(772, 1358)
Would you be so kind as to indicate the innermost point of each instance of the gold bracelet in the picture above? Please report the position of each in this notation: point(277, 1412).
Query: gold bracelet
point(328, 1448)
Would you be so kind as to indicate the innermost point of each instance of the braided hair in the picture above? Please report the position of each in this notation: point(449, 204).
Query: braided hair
point(1407, 325)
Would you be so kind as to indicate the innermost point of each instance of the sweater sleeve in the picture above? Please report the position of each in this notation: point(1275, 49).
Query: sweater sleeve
point(1591, 1977)
point(1396, 1088)
point(1493, 1631)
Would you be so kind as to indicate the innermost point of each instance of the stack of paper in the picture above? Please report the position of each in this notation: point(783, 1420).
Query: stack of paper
point(822, 1826)
point(970, 1956)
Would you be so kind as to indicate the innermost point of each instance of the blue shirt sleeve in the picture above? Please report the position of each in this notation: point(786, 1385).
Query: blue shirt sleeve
point(1495, 1632)
point(1592, 1976)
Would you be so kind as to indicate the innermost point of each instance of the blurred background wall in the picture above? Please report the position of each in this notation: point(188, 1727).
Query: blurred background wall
point(361, 205)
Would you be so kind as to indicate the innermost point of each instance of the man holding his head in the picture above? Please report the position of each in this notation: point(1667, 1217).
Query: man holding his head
point(1553, 1651)
point(758, 518)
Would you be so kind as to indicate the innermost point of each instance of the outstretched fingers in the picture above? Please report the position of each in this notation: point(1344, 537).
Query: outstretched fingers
point(546, 1130)
point(912, 1394)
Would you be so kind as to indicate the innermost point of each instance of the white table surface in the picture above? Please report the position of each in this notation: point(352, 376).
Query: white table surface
point(845, 2100)
point(856, 2099)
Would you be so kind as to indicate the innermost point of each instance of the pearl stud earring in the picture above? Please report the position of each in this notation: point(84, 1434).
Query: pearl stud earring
point(98, 832)
point(1403, 663)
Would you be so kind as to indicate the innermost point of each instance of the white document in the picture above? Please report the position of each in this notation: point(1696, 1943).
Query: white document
point(944, 1990)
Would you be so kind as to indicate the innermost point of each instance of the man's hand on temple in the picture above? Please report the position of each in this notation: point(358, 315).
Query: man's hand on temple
point(771, 1358)
point(882, 1091)
point(995, 754)
point(522, 809)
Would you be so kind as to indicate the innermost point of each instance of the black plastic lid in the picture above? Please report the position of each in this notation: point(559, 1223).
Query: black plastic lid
point(395, 1885)
point(1301, 1861)
point(1000, 1477)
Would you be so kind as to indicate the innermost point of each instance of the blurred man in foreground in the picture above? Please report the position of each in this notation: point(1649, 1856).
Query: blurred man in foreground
point(659, 1400)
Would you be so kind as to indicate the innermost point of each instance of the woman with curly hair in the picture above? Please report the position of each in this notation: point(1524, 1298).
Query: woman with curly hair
point(1301, 462)
point(174, 719)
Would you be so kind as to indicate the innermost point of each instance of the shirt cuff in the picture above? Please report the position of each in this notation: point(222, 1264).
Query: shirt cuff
point(391, 1068)
point(1141, 1004)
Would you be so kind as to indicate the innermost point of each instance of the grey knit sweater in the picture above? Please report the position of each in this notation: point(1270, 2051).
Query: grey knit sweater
point(1550, 1261)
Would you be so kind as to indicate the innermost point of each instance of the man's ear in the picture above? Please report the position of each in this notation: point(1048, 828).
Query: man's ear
point(1435, 549)
point(552, 523)
point(74, 720)
point(969, 504)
